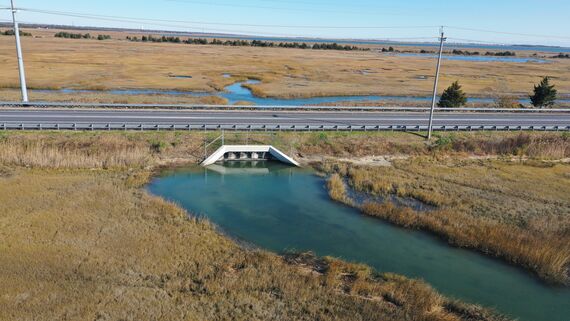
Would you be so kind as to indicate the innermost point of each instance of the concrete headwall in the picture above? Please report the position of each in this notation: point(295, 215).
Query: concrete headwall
point(277, 154)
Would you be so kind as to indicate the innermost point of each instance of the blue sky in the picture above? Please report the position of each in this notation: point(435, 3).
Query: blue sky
point(522, 17)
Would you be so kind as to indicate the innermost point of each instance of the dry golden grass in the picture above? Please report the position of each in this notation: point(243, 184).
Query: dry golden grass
point(555, 146)
point(80, 244)
point(337, 189)
point(139, 150)
point(519, 211)
point(90, 64)
point(104, 97)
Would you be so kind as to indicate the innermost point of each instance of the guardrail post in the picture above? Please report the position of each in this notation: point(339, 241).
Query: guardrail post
point(74, 126)
point(4, 126)
point(189, 127)
point(91, 127)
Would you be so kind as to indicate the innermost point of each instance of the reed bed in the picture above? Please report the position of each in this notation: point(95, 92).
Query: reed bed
point(518, 211)
point(90, 244)
point(286, 73)
point(140, 149)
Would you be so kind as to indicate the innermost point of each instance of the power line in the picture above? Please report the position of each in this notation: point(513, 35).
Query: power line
point(475, 41)
point(233, 5)
point(199, 25)
point(508, 33)
point(155, 22)
point(138, 21)
point(226, 24)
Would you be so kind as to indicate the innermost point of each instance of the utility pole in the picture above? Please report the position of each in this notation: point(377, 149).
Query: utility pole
point(20, 57)
point(432, 110)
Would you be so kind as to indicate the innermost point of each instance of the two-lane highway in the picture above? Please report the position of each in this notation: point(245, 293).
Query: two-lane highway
point(283, 118)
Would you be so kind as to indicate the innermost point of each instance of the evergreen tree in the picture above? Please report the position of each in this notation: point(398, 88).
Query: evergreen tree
point(453, 96)
point(544, 94)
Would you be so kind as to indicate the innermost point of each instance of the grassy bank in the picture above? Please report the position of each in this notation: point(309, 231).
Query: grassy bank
point(81, 240)
point(518, 211)
point(136, 149)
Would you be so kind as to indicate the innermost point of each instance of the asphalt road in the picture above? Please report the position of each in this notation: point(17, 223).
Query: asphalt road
point(166, 117)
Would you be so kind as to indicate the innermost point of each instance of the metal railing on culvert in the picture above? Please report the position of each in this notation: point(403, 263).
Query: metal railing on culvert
point(274, 108)
point(266, 128)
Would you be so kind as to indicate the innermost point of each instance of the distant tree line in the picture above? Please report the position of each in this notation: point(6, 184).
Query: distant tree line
point(246, 43)
point(465, 52)
point(501, 54)
point(562, 56)
point(11, 33)
point(457, 52)
point(69, 35)
point(488, 53)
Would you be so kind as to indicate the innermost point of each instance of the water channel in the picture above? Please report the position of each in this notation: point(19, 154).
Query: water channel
point(238, 93)
point(281, 208)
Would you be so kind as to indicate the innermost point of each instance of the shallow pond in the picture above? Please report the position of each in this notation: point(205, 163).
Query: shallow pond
point(282, 208)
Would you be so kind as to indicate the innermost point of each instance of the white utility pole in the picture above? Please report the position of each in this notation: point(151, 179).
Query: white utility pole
point(20, 57)
point(442, 40)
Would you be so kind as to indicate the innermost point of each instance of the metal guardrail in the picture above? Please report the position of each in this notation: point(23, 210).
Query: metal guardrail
point(272, 108)
point(257, 127)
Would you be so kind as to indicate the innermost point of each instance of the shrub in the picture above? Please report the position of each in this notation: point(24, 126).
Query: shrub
point(544, 94)
point(453, 96)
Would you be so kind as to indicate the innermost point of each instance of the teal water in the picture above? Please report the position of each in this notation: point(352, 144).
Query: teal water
point(282, 208)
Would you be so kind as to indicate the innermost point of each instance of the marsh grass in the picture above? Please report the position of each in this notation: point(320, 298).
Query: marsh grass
point(136, 149)
point(90, 244)
point(337, 189)
point(105, 97)
point(524, 144)
point(519, 212)
point(286, 73)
